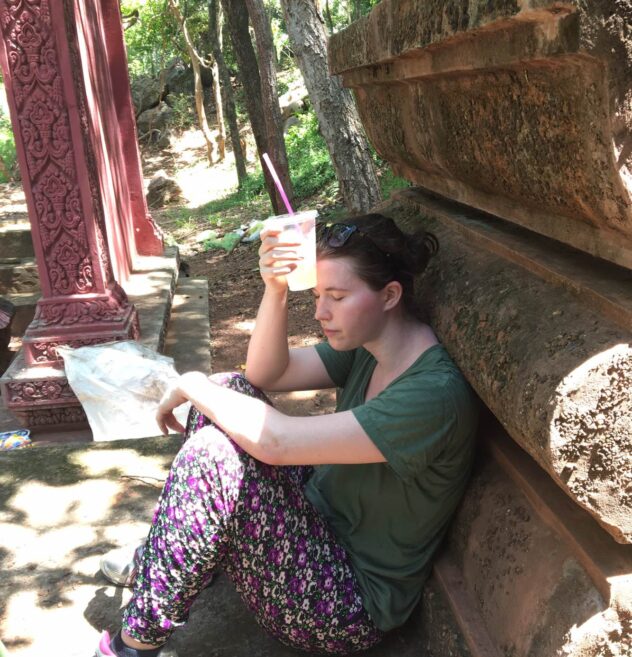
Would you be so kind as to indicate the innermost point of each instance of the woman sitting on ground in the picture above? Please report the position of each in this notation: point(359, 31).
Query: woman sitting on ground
point(326, 524)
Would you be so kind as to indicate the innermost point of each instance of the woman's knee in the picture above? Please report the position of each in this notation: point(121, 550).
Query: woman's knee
point(238, 382)
point(207, 442)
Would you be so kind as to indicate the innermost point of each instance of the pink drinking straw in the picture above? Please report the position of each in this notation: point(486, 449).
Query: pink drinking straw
point(277, 182)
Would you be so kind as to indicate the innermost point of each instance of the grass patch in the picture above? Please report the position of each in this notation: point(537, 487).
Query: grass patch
point(310, 165)
point(390, 183)
point(7, 148)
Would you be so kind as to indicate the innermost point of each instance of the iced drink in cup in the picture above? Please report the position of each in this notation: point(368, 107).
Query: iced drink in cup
point(300, 229)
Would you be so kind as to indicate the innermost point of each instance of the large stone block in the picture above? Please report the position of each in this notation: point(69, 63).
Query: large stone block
point(553, 362)
point(531, 586)
point(523, 110)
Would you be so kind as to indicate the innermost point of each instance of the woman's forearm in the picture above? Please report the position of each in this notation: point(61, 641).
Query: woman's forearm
point(273, 437)
point(268, 354)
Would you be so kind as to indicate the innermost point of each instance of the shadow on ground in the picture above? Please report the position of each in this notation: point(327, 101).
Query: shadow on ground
point(61, 508)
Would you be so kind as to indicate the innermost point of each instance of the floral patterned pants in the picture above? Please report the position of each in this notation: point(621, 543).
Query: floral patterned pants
point(221, 507)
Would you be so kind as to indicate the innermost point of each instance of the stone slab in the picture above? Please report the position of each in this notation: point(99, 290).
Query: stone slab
point(534, 596)
point(16, 241)
point(188, 334)
point(25, 303)
point(523, 110)
point(151, 288)
point(608, 564)
point(18, 275)
point(603, 286)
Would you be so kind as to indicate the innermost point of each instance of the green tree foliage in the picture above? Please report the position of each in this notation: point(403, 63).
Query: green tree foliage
point(155, 38)
point(151, 41)
point(7, 142)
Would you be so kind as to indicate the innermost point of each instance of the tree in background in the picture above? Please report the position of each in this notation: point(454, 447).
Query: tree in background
point(275, 142)
point(339, 150)
point(196, 62)
point(334, 106)
point(215, 31)
point(236, 14)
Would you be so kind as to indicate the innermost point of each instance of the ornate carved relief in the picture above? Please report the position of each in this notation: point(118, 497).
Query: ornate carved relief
point(45, 390)
point(44, 417)
point(46, 352)
point(92, 170)
point(101, 310)
point(45, 130)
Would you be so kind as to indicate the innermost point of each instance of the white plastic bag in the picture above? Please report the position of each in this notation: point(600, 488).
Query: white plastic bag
point(119, 385)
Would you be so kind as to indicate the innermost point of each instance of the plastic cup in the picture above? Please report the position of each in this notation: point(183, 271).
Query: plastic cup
point(299, 228)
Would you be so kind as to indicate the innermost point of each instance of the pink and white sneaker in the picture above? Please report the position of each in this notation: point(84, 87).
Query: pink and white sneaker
point(121, 566)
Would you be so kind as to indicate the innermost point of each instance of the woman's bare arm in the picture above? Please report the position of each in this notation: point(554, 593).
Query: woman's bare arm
point(267, 434)
point(270, 364)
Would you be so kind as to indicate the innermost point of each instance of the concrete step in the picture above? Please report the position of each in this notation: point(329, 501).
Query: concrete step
point(16, 241)
point(18, 275)
point(188, 332)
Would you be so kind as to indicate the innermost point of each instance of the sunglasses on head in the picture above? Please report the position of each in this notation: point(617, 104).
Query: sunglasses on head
point(337, 235)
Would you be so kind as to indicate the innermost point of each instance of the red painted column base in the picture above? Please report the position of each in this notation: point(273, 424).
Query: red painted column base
point(90, 319)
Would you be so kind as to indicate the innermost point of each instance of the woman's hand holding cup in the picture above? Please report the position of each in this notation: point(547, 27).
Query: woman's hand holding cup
point(287, 257)
point(277, 259)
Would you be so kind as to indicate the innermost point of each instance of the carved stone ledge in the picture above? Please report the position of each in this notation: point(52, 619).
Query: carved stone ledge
point(77, 323)
point(522, 113)
point(38, 392)
point(58, 419)
point(40, 396)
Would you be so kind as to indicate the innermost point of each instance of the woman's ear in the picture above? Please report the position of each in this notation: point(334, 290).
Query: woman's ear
point(392, 294)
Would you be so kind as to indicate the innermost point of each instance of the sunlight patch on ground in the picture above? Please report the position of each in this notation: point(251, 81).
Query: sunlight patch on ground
point(25, 611)
point(247, 326)
point(199, 182)
point(46, 506)
point(29, 545)
point(303, 394)
point(128, 461)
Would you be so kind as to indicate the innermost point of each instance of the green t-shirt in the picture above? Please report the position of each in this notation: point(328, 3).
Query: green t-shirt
point(391, 516)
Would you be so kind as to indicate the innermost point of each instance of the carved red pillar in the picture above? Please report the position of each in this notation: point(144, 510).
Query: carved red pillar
point(147, 235)
point(81, 302)
point(54, 103)
point(103, 62)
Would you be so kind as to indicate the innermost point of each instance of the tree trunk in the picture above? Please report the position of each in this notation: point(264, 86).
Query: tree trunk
point(215, 29)
point(196, 63)
point(334, 106)
point(219, 112)
point(269, 94)
point(237, 20)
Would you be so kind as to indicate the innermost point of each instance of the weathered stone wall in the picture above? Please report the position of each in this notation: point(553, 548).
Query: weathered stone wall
point(522, 109)
point(551, 367)
point(533, 594)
